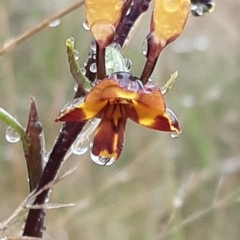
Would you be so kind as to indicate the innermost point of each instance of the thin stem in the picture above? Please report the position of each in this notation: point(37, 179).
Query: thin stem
point(75, 70)
point(101, 69)
point(9, 46)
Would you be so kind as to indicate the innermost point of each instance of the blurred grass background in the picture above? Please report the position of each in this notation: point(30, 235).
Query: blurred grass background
point(161, 188)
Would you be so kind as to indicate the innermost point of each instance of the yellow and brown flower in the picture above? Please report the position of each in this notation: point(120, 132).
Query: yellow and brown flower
point(114, 100)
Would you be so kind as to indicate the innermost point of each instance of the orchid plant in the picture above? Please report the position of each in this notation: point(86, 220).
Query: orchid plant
point(107, 90)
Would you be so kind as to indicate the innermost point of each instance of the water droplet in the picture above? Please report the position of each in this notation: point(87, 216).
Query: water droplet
point(55, 23)
point(92, 121)
point(11, 135)
point(93, 68)
point(133, 86)
point(150, 79)
point(128, 64)
point(177, 202)
point(128, 11)
point(81, 145)
point(170, 5)
point(197, 10)
point(46, 156)
point(185, 7)
point(72, 39)
point(174, 122)
point(119, 5)
point(93, 45)
point(102, 160)
point(76, 54)
point(85, 26)
point(200, 8)
point(117, 46)
point(174, 135)
point(75, 88)
point(83, 70)
point(72, 104)
point(145, 47)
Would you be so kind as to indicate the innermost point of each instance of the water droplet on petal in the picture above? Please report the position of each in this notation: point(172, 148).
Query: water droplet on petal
point(170, 5)
point(72, 104)
point(93, 68)
point(174, 121)
point(145, 47)
point(11, 135)
point(85, 26)
point(76, 55)
point(119, 5)
point(55, 23)
point(102, 160)
point(80, 146)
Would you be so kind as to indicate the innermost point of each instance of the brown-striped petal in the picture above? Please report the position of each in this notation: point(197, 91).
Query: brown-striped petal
point(81, 112)
point(151, 117)
point(109, 136)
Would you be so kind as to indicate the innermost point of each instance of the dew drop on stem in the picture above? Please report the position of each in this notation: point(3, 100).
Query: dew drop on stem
point(85, 26)
point(55, 23)
point(93, 68)
point(80, 146)
point(76, 55)
point(11, 135)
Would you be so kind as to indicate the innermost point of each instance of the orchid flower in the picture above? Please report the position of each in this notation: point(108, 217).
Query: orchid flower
point(114, 100)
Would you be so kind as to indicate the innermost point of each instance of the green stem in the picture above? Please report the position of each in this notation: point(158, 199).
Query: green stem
point(14, 124)
point(75, 70)
point(168, 85)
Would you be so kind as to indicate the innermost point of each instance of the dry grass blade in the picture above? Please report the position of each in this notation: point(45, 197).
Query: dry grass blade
point(9, 46)
point(31, 197)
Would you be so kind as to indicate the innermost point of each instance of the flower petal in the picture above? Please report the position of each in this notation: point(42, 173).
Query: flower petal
point(109, 136)
point(109, 89)
point(151, 117)
point(84, 111)
point(169, 18)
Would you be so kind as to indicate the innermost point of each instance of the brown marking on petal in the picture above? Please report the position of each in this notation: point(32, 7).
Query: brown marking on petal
point(151, 117)
point(84, 111)
point(109, 136)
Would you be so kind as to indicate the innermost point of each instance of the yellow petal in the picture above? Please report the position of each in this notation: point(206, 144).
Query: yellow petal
point(169, 18)
point(151, 117)
point(102, 17)
point(84, 111)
